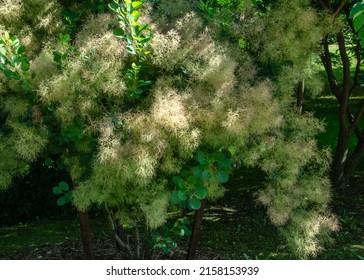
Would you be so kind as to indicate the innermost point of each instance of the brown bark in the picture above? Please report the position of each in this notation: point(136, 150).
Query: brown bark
point(300, 94)
point(86, 235)
point(196, 232)
point(344, 163)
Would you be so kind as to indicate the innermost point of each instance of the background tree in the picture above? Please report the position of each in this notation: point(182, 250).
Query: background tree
point(337, 15)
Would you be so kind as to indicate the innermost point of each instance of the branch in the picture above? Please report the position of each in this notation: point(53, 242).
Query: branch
point(354, 121)
point(357, 67)
point(113, 224)
point(324, 4)
point(346, 67)
point(326, 60)
point(339, 8)
point(123, 244)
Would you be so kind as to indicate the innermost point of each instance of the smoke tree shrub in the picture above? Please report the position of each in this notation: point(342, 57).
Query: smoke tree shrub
point(202, 97)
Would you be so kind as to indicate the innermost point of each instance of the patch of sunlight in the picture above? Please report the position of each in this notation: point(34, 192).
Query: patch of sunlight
point(226, 209)
point(327, 97)
point(361, 247)
point(272, 255)
point(211, 218)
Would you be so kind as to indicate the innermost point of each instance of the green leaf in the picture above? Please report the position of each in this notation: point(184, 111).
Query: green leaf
point(2, 50)
point(194, 203)
point(12, 75)
point(118, 32)
point(175, 180)
point(174, 198)
point(101, 8)
point(191, 180)
point(21, 49)
point(184, 231)
point(136, 4)
point(173, 245)
point(130, 49)
point(218, 156)
point(201, 158)
point(24, 66)
point(206, 174)
point(357, 10)
point(15, 60)
point(181, 184)
point(232, 150)
point(61, 201)
point(222, 176)
point(15, 43)
point(135, 15)
point(66, 38)
point(361, 37)
point(48, 162)
point(68, 197)
point(113, 6)
point(60, 165)
point(138, 91)
point(201, 193)
point(359, 22)
point(181, 195)
point(64, 199)
point(57, 190)
point(197, 172)
point(63, 186)
point(225, 163)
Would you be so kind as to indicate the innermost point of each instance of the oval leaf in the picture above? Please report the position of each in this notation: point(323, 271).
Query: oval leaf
point(174, 198)
point(201, 158)
point(118, 32)
point(61, 201)
point(206, 174)
point(201, 193)
point(57, 190)
point(63, 186)
point(113, 6)
point(181, 195)
point(48, 162)
point(197, 172)
point(194, 203)
point(21, 49)
point(222, 176)
point(225, 163)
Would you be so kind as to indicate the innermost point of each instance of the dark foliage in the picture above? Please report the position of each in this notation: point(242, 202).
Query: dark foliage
point(32, 196)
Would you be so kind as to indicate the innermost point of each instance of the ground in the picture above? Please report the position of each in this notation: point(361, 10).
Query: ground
point(234, 227)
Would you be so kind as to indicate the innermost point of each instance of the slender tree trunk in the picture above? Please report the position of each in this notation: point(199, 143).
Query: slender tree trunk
point(300, 93)
point(86, 235)
point(338, 177)
point(196, 232)
point(354, 159)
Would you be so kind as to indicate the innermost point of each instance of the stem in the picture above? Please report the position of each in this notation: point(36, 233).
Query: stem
point(114, 227)
point(137, 240)
point(85, 232)
point(86, 235)
point(196, 233)
point(300, 93)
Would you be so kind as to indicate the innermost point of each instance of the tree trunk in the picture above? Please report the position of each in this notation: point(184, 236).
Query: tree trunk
point(196, 232)
point(300, 93)
point(86, 235)
point(353, 160)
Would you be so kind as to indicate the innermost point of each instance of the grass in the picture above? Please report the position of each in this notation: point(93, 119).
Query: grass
point(26, 236)
point(233, 228)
